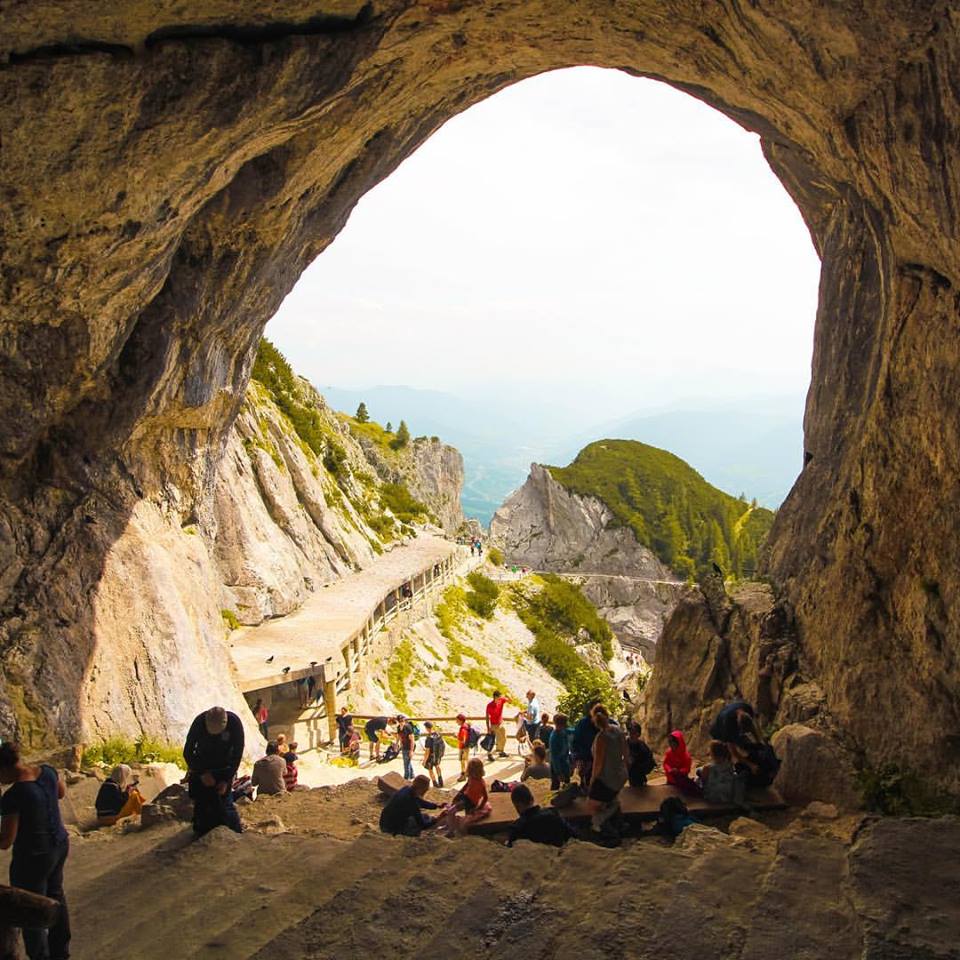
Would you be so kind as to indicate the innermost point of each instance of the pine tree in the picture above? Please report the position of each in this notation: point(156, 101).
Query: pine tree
point(403, 436)
point(362, 416)
point(389, 427)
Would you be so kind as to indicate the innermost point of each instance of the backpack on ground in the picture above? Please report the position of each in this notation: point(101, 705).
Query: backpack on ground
point(473, 737)
point(391, 753)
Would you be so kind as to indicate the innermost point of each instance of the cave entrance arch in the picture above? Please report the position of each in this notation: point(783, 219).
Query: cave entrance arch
point(579, 221)
point(168, 179)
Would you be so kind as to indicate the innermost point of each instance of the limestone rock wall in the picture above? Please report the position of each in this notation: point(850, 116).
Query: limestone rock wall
point(169, 173)
point(547, 527)
point(432, 471)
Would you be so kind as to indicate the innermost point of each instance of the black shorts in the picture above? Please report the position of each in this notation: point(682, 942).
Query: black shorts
point(371, 734)
point(600, 791)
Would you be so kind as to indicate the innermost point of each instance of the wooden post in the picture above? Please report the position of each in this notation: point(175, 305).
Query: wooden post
point(330, 703)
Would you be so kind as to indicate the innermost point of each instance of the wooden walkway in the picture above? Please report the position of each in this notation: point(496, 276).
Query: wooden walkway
point(636, 803)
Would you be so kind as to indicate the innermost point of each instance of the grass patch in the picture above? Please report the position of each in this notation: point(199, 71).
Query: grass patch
point(482, 596)
point(451, 611)
point(402, 504)
point(457, 650)
point(230, 619)
point(399, 673)
point(495, 556)
point(555, 615)
point(145, 749)
point(481, 680)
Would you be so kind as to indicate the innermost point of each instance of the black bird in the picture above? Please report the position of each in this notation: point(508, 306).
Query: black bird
point(270, 658)
point(717, 570)
point(285, 670)
point(313, 663)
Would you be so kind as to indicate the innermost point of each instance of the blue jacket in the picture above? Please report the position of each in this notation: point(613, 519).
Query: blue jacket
point(584, 733)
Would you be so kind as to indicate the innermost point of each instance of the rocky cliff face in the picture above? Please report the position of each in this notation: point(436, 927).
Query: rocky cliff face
point(168, 175)
point(431, 470)
point(545, 526)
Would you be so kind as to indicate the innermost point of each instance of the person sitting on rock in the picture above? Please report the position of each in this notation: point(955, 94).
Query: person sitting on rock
point(673, 819)
point(472, 801)
point(403, 814)
point(282, 745)
point(718, 779)
point(118, 797)
point(733, 726)
point(677, 764)
point(351, 747)
point(268, 772)
point(213, 751)
point(534, 823)
point(642, 762)
point(536, 767)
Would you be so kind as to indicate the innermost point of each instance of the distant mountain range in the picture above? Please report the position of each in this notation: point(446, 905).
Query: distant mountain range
point(752, 446)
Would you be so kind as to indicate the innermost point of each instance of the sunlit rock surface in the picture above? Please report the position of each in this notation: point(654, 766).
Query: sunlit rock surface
point(169, 171)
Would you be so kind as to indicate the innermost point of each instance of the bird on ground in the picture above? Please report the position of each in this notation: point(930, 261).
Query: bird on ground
point(313, 663)
point(717, 570)
point(286, 670)
point(270, 659)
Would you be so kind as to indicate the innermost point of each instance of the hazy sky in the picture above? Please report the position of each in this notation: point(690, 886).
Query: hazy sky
point(583, 233)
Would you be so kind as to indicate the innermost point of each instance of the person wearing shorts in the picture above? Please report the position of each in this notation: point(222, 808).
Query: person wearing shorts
point(611, 759)
point(372, 728)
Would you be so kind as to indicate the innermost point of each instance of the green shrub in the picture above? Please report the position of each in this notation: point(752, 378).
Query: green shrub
point(896, 792)
point(482, 596)
point(563, 610)
point(230, 619)
point(114, 750)
point(451, 611)
point(495, 556)
point(402, 436)
point(399, 672)
point(402, 504)
point(670, 508)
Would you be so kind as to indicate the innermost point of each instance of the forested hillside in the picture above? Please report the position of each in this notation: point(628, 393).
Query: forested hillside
point(669, 507)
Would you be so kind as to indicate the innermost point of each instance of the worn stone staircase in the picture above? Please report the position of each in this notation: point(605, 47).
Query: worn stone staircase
point(811, 891)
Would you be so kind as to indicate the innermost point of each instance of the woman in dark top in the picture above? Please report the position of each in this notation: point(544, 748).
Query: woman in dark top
point(118, 797)
point(30, 822)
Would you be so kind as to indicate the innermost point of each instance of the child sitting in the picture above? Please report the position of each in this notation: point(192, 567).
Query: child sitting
point(718, 779)
point(291, 774)
point(472, 800)
point(677, 764)
point(536, 767)
point(351, 743)
point(641, 758)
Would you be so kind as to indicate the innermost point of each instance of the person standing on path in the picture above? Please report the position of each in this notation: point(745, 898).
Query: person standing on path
point(463, 742)
point(495, 723)
point(533, 716)
point(261, 714)
point(344, 722)
point(213, 751)
point(581, 747)
point(433, 751)
point(408, 743)
point(30, 822)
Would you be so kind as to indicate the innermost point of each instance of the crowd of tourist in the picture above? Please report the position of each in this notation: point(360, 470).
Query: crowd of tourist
point(604, 755)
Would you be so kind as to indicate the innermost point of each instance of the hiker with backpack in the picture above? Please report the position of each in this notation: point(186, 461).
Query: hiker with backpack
point(609, 768)
point(434, 748)
point(408, 742)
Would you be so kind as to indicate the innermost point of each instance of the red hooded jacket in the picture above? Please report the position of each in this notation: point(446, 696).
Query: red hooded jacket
point(677, 760)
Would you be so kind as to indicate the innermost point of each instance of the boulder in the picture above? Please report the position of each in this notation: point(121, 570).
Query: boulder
point(814, 766)
point(172, 803)
point(749, 829)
